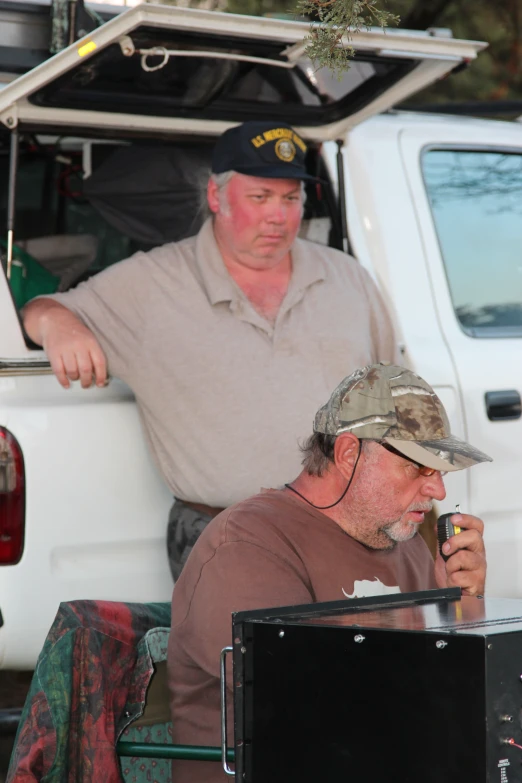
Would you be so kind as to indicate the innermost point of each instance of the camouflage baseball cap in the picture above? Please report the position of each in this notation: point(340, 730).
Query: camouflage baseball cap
point(392, 404)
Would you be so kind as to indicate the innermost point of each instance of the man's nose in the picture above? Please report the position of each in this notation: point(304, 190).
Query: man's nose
point(434, 486)
point(277, 213)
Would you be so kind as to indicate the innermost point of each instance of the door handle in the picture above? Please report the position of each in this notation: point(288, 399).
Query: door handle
point(503, 405)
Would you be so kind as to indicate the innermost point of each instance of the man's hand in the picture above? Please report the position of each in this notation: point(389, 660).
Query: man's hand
point(72, 349)
point(466, 566)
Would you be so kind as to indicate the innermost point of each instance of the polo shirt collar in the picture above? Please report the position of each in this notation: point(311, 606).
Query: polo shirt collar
point(217, 282)
point(307, 269)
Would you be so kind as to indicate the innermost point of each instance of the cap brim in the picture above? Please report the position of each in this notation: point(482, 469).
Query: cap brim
point(285, 171)
point(447, 454)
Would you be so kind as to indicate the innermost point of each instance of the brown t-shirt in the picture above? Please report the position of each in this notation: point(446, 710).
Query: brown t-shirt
point(269, 550)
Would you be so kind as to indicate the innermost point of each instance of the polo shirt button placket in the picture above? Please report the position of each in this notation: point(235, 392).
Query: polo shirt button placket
point(282, 345)
point(247, 313)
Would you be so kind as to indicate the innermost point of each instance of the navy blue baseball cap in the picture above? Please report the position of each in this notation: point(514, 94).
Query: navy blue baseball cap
point(262, 149)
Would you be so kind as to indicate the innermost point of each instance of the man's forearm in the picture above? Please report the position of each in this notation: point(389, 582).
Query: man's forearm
point(37, 314)
point(72, 349)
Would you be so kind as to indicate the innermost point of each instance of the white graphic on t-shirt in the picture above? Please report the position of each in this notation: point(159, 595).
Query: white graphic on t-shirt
point(366, 587)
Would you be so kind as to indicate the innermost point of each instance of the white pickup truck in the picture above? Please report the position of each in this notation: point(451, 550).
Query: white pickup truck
point(432, 207)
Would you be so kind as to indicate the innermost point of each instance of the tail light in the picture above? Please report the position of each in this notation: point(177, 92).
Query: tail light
point(12, 499)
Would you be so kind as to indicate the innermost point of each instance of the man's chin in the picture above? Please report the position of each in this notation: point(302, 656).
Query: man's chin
point(271, 249)
point(386, 538)
point(262, 258)
point(398, 533)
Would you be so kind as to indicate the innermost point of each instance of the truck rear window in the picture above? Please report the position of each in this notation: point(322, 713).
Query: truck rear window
point(220, 89)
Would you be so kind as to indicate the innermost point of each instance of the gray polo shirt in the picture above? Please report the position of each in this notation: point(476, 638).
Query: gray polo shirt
point(224, 396)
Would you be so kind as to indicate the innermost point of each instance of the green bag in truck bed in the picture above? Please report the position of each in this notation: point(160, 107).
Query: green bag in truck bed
point(28, 277)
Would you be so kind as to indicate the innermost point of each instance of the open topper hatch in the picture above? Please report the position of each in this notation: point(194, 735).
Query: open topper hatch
point(156, 70)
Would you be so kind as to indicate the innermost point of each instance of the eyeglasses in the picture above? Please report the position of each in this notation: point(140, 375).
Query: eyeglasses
point(424, 470)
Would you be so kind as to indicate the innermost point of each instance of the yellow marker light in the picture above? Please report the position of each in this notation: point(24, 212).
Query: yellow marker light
point(86, 48)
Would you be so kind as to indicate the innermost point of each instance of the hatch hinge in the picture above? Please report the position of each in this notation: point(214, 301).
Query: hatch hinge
point(9, 117)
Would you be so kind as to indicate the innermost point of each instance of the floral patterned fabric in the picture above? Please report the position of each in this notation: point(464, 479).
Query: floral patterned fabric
point(89, 685)
point(133, 768)
point(137, 770)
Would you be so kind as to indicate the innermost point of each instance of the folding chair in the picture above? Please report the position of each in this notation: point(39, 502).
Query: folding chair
point(99, 699)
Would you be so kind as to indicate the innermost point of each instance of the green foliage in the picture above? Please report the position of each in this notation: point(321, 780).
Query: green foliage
point(338, 20)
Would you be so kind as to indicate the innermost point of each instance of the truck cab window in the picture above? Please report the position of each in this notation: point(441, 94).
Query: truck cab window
point(476, 201)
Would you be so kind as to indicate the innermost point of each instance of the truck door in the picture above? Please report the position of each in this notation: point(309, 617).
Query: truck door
point(466, 182)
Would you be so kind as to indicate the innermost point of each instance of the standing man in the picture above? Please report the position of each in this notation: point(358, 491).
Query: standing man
point(346, 527)
point(229, 339)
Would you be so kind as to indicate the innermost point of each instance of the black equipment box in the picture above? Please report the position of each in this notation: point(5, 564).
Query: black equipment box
point(412, 688)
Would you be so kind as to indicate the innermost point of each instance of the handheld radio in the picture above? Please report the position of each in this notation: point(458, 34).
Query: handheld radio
point(445, 529)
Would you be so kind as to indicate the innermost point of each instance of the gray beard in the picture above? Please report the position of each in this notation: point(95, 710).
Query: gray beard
point(400, 537)
point(392, 540)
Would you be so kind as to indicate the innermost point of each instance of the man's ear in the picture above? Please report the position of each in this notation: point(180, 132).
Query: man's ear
point(346, 451)
point(213, 196)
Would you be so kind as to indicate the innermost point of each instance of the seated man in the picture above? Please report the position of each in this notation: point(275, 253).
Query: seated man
point(345, 527)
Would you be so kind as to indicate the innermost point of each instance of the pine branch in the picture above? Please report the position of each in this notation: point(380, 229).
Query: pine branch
point(338, 20)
